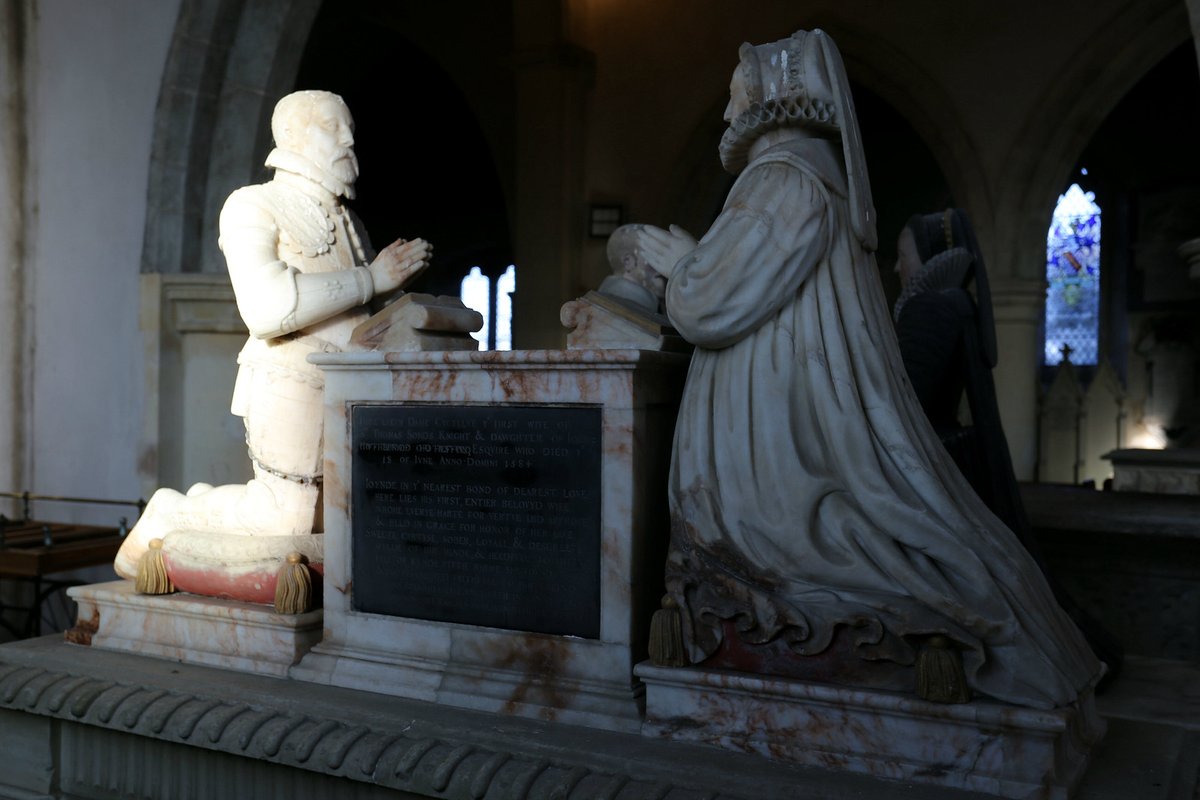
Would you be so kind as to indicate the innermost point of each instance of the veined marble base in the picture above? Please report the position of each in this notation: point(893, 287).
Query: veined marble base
point(192, 629)
point(985, 747)
point(545, 677)
point(564, 678)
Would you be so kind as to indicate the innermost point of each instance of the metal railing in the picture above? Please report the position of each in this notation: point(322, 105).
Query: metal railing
point(27, 498)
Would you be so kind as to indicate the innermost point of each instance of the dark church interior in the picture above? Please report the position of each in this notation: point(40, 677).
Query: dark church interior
point(516, 137)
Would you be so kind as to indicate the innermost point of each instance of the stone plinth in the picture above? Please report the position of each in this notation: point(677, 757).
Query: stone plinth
point(85, 723)
point(1174, 471)
point(192, 629)
point(997, 749)
point(586, 678)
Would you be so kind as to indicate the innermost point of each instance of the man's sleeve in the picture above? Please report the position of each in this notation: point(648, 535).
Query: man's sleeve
point(274, 298)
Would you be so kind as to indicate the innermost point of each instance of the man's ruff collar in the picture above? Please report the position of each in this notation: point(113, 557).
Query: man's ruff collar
point(297, 164)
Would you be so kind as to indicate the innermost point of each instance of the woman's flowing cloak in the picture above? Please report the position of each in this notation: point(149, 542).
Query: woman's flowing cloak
point(807, 488)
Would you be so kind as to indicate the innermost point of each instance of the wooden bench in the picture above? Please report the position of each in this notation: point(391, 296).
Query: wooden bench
point(31, 551)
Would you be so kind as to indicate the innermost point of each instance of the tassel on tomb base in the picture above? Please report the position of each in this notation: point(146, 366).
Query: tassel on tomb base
point(152, 576)
point(293, 586)
point(940, 676)
point(666, 636)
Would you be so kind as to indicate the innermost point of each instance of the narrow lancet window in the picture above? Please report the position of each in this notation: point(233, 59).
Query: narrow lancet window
point(476, 293)
point(479, 293)
point(1073, 278)
point(506, 284)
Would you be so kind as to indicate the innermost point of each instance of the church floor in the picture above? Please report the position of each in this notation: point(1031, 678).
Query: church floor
point(1152, 748)
point(83, 723)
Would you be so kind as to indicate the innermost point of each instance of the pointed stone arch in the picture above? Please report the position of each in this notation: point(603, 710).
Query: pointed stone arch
point(229, 61)
point(916, 95)
point(1099, 75)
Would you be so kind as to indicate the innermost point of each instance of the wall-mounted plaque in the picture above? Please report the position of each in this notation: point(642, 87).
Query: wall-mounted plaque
point(480, 515)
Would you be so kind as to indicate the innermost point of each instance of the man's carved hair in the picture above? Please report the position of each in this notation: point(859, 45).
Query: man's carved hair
point(293, 114)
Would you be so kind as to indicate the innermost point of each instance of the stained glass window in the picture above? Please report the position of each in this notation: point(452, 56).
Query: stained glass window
point(1073, 275)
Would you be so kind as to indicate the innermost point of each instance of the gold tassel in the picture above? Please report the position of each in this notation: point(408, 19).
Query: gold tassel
point(293, 587)
point(666, 635)
point(152, 577)
point(940, 676)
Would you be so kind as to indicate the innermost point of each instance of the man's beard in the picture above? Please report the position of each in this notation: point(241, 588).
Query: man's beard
point(345, 167)
point(337, 175)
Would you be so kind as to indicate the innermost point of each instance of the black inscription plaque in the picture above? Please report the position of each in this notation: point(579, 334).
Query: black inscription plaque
point(482, 515)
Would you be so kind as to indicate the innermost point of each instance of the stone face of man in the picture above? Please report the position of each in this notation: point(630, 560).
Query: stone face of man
point(329, 140)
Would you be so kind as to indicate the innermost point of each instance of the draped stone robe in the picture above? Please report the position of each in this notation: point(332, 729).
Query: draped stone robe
point(807, 489)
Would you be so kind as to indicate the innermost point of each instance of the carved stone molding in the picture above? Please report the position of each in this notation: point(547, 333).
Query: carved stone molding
point(280, 728)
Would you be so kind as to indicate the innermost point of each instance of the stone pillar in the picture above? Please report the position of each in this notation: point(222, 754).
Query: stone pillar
point(1193, 9)
point(552, 77)
point(16, 37)
point(1018, 306)
point(29, 751)
point(1190, 251)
